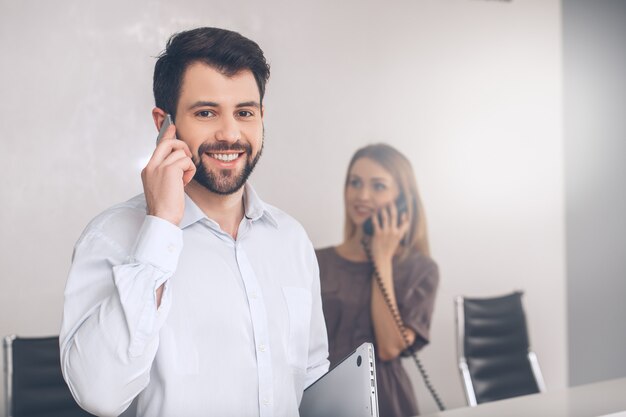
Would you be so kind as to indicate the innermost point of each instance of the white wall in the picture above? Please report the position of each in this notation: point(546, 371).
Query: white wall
point(468, 89)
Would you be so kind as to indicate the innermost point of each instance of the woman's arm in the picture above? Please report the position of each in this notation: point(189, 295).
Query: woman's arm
point(389, 339)
point(392, 337)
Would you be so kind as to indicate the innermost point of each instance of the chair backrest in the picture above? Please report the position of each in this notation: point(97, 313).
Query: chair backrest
point(34, 385)
point(495, 359)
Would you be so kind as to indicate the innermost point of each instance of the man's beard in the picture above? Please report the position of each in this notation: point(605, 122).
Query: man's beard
point(226, 181)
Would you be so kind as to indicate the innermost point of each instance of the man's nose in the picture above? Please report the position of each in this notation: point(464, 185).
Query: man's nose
point(228, 130)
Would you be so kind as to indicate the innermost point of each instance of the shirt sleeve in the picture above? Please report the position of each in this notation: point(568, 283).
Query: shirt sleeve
point(318, 363)
point(109, 335)
point(416, 298)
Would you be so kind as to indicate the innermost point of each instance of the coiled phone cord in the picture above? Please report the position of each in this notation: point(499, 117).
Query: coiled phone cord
point(398, 319)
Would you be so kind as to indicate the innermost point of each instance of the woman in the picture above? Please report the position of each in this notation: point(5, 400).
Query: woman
point(356, 309)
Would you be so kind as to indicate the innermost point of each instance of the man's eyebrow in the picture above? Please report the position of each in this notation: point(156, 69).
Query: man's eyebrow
point(249, 104)
point(214, 104)
point(203, 104)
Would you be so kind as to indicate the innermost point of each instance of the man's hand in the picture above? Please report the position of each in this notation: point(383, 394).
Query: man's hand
point(164, 178)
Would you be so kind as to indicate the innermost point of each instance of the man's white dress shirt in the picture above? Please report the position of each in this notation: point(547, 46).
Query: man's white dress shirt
point(239, 331)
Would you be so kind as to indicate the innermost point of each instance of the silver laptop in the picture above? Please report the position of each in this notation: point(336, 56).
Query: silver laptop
point(347, 390)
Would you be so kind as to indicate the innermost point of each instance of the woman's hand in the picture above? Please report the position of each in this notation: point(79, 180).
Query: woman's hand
point(388, 233)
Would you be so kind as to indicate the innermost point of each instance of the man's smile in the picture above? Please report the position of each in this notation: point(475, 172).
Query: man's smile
point(225, 157)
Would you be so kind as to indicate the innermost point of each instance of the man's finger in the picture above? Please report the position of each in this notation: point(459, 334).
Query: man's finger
point(166, 147)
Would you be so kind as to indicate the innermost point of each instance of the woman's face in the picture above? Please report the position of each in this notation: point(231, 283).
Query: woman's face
point(370, 188)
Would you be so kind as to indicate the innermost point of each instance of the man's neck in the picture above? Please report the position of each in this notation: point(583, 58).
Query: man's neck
point(226, 210)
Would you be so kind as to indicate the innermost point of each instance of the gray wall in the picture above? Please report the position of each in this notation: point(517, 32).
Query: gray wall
point(470, 90)
point(595, 161)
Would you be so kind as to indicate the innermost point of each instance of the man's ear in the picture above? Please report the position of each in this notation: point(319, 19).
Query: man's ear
point(158, 115)
point(262, 111)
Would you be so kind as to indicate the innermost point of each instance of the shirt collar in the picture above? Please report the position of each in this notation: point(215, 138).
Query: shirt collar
point(255, 209)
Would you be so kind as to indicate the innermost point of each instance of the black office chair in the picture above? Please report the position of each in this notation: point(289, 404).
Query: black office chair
point(34, 385)
point(494, 356)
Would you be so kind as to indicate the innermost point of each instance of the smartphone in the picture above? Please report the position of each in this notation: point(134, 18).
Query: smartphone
point(166, 123)
point(368, 226)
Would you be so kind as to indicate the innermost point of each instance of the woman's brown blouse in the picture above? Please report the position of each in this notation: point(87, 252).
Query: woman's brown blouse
point(346, 294)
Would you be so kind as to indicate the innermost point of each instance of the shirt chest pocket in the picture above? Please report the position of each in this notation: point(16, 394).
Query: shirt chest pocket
point(298, 302)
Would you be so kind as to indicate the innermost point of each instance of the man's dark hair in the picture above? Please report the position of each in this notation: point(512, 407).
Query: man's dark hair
point(225, 50)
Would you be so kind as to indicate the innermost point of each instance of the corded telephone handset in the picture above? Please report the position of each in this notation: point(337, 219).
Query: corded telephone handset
point(368, 229)
point(368, 226)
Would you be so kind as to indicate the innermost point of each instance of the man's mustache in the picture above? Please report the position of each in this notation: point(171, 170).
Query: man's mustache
point(216, 147)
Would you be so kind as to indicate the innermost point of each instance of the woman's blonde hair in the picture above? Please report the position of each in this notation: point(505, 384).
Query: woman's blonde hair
point(402, 172)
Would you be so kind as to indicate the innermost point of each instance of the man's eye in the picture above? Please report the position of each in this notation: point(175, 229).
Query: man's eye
point(245, 113)
point(204, 113)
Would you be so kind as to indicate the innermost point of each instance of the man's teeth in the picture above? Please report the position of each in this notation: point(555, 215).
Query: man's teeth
point(226, 157)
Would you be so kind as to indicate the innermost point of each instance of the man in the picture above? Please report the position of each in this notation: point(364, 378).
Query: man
point(196, 297)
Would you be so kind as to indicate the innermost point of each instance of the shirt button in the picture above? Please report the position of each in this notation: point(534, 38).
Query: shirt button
point(262, 347)
point(171, 248)
point(266, 402)
point(253, 295)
